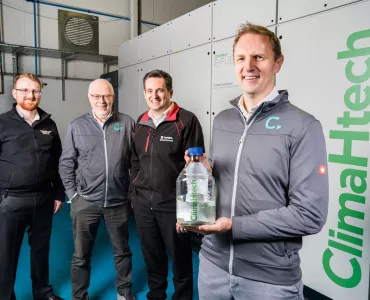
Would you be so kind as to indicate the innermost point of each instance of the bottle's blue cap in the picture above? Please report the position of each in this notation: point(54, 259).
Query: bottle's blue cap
point(195, 151)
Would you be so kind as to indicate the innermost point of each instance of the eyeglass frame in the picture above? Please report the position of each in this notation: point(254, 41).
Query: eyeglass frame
point(98, 97)
point(26, 91)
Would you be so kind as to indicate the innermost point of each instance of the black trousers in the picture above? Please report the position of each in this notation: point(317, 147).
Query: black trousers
point(157, 232)
point(16, 214)
point(86, 217)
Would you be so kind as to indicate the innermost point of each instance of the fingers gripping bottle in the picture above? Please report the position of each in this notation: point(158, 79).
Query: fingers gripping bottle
point(195, 192)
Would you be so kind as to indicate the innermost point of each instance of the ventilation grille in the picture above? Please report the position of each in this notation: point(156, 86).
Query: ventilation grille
point(78, 32)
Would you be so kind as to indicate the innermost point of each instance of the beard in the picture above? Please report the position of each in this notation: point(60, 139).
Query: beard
point(103, 114)
point(28, 104)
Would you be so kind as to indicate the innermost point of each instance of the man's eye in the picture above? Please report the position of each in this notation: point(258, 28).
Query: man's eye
point(259, 57)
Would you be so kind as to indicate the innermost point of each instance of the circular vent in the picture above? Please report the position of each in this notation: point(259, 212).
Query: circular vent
point(79, 32)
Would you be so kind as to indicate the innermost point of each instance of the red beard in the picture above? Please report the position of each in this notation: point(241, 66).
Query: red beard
point(27, 105)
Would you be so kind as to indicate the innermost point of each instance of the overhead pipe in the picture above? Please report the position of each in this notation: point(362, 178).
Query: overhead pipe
point(94, 12)
point(2, 62)
point(134, 7)
point(35, 36)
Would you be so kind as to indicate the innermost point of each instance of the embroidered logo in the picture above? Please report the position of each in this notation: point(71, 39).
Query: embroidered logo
point(268, 126)
point(322, 170)
point(166, 139)
point(117, 127)
point(45, 132)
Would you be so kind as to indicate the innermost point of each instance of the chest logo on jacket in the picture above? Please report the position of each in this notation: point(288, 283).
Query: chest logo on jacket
point(271, 126)
point(47, 132)
point(166, 139)
point(118, 127)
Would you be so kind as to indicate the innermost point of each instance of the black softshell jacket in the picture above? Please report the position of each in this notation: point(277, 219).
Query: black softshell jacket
point(29, 155)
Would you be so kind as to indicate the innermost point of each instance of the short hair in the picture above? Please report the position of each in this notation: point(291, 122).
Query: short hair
point(257, 29)
point(159, 74)
point(30, 76)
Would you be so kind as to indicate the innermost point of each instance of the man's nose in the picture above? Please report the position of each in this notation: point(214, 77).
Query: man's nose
point(248, 64)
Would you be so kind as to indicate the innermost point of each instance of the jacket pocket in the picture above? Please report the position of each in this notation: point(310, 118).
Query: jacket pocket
point(218, 242)
point(75, 203)
point(267, 252)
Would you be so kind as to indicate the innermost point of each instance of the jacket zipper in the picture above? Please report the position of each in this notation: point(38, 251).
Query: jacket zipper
point(235, 185)
point(36, 147)
point(151, 164)
point(106, 168)
point(105, 156)
point(37, 157)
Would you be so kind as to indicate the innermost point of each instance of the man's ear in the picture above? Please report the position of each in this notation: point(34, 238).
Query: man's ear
point(14, 92)
point(278, 63)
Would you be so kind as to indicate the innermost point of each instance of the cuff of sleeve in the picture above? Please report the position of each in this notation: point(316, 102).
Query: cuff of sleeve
point(237, 228)
point(70, 194)
point(60, 196)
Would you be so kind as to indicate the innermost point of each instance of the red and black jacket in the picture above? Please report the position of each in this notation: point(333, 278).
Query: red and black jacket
point(158, 157)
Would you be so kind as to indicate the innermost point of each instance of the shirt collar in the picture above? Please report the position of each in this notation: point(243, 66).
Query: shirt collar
point(97, 120)
point(274, 93)
point(162, 117)
point(36, 117)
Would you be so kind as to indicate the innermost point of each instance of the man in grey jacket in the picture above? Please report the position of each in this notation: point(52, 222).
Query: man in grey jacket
point(94, 168)
point(270, 165)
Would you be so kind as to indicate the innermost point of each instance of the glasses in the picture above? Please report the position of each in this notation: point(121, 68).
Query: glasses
point(27, 91)
point(97, 97)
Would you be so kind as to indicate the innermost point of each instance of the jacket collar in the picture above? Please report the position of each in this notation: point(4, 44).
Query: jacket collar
point(14, 114)
point(171, 116)
point(111, 118)
point(266, 106)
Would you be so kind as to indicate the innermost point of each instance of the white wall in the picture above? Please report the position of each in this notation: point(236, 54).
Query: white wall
point(19, 29)
point(162, 11)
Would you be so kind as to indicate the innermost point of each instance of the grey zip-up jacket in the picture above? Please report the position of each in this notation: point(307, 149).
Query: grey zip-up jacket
point(95, 161)
point(271, 176)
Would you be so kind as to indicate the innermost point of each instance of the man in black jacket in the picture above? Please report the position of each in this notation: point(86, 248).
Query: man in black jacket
point(94, 168)
point(161, 136)
point(30, 186)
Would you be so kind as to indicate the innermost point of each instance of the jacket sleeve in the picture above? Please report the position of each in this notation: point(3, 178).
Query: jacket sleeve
point(193, 134)
point(308, 194)
point(56, 180)
point(68, 164)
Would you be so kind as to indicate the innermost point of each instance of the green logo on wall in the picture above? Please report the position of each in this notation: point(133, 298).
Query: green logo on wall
point(347, 239)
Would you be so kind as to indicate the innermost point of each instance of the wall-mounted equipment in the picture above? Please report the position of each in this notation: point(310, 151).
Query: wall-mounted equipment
point(78, 32)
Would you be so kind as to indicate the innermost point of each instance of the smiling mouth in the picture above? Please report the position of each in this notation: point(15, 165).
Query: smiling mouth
point(250, 77)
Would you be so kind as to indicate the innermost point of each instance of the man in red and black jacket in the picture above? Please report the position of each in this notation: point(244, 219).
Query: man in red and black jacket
point(161, 136)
